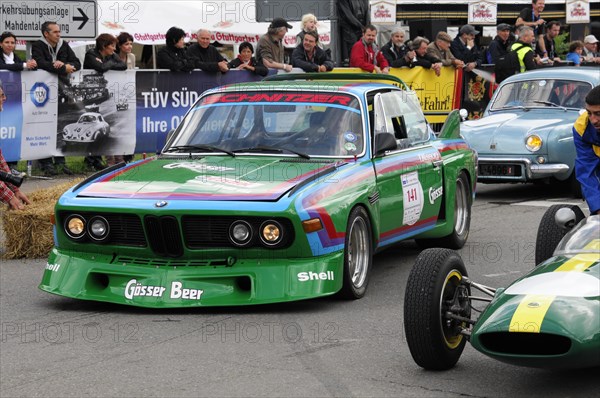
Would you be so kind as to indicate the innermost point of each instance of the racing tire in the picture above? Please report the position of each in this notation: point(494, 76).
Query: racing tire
point(358, 255)
point(432, 340)
point(549, 234)
point(462, 218)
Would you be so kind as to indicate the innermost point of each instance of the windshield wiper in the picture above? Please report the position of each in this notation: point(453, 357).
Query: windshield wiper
point(263, 148)
point(551, 104)
point(188, 148)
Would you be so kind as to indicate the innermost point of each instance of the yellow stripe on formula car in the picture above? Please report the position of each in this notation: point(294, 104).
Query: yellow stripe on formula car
point(530, 313)
point(583, 261)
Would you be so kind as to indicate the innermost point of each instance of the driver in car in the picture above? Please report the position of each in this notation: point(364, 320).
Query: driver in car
point(586, 134)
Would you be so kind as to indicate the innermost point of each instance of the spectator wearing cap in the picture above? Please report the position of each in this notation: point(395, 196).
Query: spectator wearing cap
point(269, 50)
point(309, 56)
point(463, 47)
point(549, 51)
point(501, 43)
point(366, 55)
point(395, 51)
point(532, 17)
point(440, 49)
point(590, 49)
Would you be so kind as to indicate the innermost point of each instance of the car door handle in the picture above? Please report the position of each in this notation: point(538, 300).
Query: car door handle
point(438, 163)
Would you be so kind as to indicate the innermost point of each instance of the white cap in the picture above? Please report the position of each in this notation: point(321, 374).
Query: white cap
point(590, 39)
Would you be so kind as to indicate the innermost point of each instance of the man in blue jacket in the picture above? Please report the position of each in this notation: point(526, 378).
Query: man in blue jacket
point(586, 134)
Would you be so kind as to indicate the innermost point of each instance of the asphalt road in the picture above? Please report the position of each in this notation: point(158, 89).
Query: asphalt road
point(53, 346)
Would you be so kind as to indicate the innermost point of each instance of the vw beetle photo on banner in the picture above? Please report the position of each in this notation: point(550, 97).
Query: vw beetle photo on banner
point(266, 192)
point(525, 134)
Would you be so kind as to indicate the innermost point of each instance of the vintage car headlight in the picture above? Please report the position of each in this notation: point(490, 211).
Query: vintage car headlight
point(533, 143)
point(271, 232)
point(240, 233)
point(98, 228)
point(75, 226)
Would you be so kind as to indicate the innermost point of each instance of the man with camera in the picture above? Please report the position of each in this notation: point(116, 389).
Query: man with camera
point(9, 193)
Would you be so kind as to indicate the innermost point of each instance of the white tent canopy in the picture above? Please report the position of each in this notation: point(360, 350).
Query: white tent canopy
point(231, 22)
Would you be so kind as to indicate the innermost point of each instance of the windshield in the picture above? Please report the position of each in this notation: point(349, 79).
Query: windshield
point(315, 124)
point(87, 119)
point(542, 93)
point(583, 238)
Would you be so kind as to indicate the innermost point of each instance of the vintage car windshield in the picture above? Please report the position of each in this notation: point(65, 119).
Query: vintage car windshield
point(583, 238)
point(87, 119)
point(541, 93)
point(273, 122)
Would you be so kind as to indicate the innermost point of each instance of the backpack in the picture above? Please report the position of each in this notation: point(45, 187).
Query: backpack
point(507, 65)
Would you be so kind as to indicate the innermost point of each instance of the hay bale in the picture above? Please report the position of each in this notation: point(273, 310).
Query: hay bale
point(28, 233)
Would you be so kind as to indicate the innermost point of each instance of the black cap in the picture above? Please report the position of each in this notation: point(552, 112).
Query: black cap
point(468, 29)
point(280, 23)
point(503, 26)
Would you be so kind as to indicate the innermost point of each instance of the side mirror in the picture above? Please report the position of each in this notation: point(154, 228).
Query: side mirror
point(464, 114)
point(565, 218)
point(385, 142)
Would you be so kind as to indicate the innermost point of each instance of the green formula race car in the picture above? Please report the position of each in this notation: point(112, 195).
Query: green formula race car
point(266, 192)
point(550, 318)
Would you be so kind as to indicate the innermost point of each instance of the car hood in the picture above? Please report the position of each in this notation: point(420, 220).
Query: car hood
point(80, 128)
point(505, 132)
point(213, 178)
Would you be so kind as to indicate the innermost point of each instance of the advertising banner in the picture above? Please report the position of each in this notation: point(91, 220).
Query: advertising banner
point(163, 98)
point(96, 114)
point(11, 118)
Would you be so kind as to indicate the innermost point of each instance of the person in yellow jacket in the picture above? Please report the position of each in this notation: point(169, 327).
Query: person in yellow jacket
point(527, 58)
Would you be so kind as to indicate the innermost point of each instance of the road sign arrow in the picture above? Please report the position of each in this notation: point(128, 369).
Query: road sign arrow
point(83, 18)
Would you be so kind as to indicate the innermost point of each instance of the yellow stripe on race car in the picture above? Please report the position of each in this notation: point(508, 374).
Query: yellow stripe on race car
point(583, 261)
point(530, 313)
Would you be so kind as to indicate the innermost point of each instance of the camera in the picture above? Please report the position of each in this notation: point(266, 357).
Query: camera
point(11, 178)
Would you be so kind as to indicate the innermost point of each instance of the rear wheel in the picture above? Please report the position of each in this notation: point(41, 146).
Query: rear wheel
point(549, 234)
point(358, 255)
point(435, 289)
point(462, 218)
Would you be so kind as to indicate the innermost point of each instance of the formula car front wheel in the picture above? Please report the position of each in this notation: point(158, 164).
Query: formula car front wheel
point(549, 234)
point(436, 303)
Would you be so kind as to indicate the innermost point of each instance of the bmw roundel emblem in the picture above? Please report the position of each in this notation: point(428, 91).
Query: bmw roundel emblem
point(161, 203)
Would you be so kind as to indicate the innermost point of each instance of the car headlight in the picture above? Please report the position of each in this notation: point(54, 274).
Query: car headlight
point(98, 228)
point(271, 232)
point(75, 226)
point(533, 143)
point(240, 233)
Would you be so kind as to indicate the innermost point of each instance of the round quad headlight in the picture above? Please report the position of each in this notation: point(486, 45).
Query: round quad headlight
point(533, 143)
point(271, 232)
point(240, 233)
point(75, 226)
point(98, 228)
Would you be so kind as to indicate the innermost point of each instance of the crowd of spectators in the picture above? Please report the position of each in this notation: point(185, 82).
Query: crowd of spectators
point(533, 39)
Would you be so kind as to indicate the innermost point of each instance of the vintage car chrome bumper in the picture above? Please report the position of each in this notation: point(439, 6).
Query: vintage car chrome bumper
point(528, 170)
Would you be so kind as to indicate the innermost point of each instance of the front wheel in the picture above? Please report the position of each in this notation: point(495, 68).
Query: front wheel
point(358, 255)
point(434, 291)
point(549, 234)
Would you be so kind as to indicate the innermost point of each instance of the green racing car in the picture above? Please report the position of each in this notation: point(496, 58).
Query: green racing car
point(266, 192)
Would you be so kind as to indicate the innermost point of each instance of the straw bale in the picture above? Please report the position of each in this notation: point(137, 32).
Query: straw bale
point(28, 233)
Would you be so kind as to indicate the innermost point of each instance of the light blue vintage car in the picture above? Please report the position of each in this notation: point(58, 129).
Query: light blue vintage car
point(525, 134)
